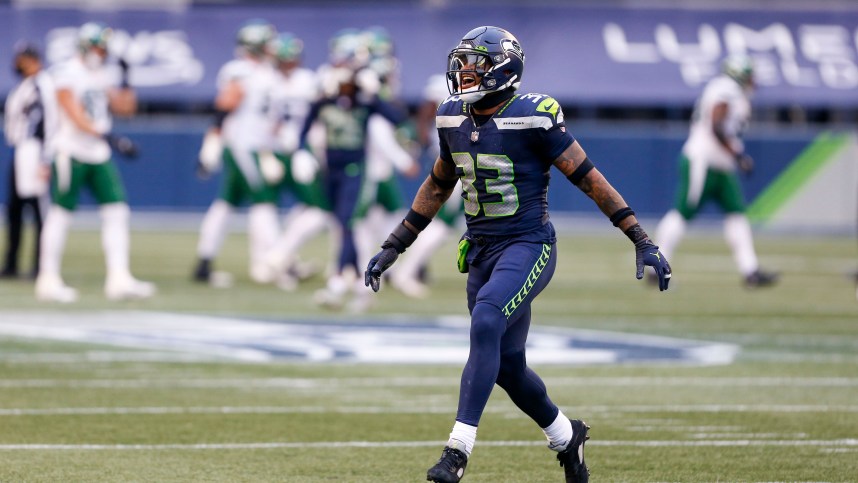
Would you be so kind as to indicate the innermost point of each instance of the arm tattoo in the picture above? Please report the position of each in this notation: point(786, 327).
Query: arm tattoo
point(593, 184)
point(430, 197)
point(599, 190)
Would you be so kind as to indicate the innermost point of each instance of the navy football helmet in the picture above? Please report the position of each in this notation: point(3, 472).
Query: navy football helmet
point(487, 59)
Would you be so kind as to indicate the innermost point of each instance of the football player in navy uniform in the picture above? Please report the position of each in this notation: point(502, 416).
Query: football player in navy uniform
point(501, 145)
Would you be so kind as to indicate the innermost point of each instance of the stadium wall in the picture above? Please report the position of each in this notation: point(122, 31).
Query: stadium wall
point(639, 160)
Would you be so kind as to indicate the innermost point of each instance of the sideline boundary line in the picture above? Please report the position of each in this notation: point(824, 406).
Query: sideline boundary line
point(417, 444)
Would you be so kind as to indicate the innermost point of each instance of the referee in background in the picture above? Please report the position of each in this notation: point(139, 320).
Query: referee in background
point(30, 120)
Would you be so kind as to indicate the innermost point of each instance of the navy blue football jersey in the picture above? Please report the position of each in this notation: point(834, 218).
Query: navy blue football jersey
point(504, 164)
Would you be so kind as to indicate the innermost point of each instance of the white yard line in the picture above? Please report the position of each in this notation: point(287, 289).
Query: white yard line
point(393, 409)
point(361, 382)
point(834, 443)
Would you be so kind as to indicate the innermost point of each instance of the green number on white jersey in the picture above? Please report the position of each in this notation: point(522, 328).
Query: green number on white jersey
point(501, 184)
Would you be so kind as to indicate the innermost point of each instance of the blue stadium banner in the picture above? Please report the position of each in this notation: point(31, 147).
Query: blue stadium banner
point(585, 55)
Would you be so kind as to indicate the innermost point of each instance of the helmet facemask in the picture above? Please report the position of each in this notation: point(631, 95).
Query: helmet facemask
point(488, 60)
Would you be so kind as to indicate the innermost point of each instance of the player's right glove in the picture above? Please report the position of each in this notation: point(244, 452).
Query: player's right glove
point(378, 264)
point(123, 145)
point(647, 254)
point(399, 239)
point(745, 163)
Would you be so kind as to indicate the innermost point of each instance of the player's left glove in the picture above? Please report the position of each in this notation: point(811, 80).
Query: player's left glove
point(647, 254)
point(123, 145)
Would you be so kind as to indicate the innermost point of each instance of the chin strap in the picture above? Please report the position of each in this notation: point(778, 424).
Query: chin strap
point(492, 99)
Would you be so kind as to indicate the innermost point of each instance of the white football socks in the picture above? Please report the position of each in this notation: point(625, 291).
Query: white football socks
point(559, 433)
point(262, 230)
point(115, 239)
point(53, 240)
point(213, 229)
point(463, 437)
point(302, 224)
point(737, 232)
point(669, 232)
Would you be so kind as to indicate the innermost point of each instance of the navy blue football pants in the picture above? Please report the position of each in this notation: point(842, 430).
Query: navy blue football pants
point(342, 188)
point(501, 286)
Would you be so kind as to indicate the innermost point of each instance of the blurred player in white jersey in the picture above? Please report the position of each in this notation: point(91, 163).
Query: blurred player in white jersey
point(351, 99)
point(87, 94)
point(407, 275)
point(296, 88)
point(244, 88)
point(381, 199)
point(710, 157)
point(30, 125)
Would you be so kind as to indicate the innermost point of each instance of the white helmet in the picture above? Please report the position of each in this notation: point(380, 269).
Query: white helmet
point(740, 68)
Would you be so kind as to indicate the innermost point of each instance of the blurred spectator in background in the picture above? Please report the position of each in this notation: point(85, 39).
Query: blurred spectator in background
point(244, 86)
point(87, 94)
point(351, 98)
point(295, 90)
point(30, 125)
point(708, 163)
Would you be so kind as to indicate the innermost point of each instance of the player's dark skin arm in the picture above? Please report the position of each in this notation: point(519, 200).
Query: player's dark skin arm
point(431, 197)
point(594, 184)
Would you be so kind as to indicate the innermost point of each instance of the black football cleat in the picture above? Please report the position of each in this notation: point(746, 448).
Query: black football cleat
point(203, 271)
point(450, 468)
point(572, 458)
point(761, 278)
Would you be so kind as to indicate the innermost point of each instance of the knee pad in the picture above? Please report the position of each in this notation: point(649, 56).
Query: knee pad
point(487, 322)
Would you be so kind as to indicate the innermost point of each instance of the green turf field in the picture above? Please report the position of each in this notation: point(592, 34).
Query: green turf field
point(785, 410)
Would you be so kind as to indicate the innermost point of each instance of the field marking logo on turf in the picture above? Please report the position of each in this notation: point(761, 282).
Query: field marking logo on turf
point(380, 340)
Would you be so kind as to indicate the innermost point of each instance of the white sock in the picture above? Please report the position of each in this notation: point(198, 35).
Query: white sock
point(262, 228)
point(115, 239)
point(559, 433)
point(213, 229)
point(366, 241)
point(737, 232)
point(421, 251)
point(300, 228)
point(53, 240)
point(463, 437)
point(669, 232)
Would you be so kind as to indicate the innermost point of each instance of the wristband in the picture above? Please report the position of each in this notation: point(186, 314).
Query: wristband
point(417, 220)
point(581, 171)
point(400, 238)
point(636, 234)
point(219, 117)
point(621, 215)
point(442, 183)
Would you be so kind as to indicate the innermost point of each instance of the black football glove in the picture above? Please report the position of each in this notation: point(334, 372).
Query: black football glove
point(124, 75)
point(378, 264)
point(745, 163)
point(123, 145)
point(647, 254)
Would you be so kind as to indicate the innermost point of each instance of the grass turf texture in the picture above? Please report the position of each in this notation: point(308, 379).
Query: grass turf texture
point(784, 411)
